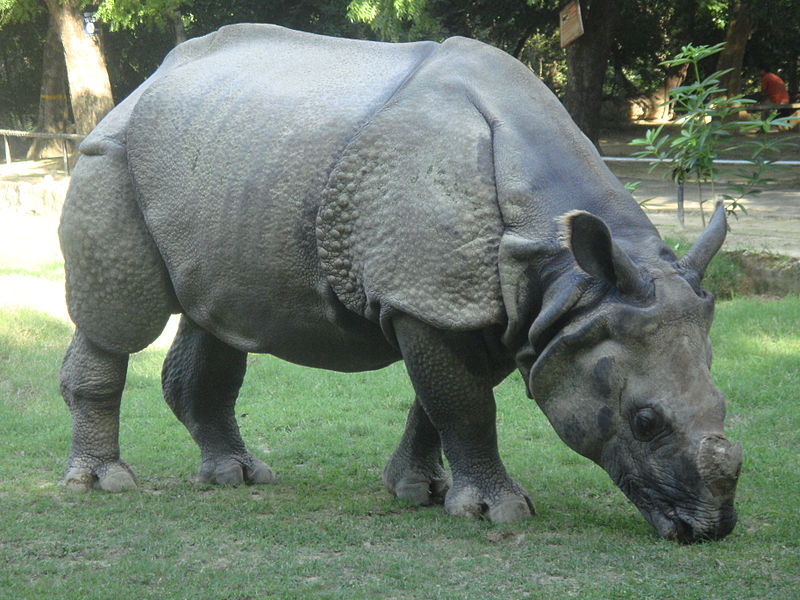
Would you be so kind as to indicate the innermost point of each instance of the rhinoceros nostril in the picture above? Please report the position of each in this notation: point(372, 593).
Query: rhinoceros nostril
point(684, 532)
point(688, 531)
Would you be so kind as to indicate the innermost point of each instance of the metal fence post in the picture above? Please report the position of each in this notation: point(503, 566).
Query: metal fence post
point(65, 155)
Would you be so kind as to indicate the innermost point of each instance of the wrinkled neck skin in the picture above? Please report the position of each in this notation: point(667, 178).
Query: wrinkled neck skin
point(625, 381)
point(572, 294)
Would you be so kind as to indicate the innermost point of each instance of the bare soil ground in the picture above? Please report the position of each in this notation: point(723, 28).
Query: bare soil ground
point(772, 220)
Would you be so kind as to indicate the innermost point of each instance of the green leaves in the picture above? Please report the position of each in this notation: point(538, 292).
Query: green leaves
point(19, 11)
point(128, 14)
point(692, 55)
point(396, 20)
point(707, 120)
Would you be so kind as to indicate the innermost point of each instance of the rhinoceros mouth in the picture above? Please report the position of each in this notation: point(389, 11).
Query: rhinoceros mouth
point(679, 526)
point(678, 517)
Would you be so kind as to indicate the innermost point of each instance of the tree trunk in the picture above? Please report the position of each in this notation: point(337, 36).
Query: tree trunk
point(792, 83)
point(53, 111)
point(89, 86)
point(654, 106)
point(587, 59)
point(176, 21)
point(736, 37)
point(674, 78)
point(679, 190)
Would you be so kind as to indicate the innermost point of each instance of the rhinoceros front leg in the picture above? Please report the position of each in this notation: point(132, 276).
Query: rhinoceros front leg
point(453, 379)
point(415, 471)
point(92, 380)
point(201, 380)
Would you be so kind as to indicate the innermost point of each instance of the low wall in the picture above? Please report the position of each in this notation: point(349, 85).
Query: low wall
point(765, 273)
point(44, 196)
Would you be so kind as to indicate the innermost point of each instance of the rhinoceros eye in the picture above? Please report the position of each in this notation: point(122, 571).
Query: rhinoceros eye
point(646, 424)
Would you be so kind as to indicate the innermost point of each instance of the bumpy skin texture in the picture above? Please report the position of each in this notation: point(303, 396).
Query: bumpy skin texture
point(345, 204)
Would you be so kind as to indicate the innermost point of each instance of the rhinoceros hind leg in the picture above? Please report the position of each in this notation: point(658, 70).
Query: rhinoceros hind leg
point(415, 471)
point(453, 378)
point(91, 384)
point(201, 380)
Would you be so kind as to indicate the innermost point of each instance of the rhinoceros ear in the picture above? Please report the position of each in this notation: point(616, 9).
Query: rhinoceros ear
point(694, 263)
point(596, 253)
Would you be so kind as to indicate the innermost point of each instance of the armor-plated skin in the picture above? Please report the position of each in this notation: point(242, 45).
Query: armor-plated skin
point(346, 204)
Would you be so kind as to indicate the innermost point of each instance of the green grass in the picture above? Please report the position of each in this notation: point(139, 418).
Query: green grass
point(327, 529)
point(51, 271)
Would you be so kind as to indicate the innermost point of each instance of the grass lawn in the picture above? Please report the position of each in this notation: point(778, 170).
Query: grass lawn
point(327, 529)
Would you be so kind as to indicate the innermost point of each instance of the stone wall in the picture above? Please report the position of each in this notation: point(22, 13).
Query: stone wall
point(44, 196)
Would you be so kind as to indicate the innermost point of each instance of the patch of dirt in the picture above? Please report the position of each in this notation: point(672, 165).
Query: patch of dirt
point(771, 222)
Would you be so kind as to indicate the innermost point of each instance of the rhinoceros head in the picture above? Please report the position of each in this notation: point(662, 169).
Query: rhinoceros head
point(625, 380)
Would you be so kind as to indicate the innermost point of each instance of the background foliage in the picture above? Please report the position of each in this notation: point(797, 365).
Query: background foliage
point(137, 34)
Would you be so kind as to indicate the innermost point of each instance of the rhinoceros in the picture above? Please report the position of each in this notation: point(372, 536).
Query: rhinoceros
point(346, 204)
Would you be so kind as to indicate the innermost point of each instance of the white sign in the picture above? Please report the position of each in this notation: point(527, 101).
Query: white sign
point(89, 20)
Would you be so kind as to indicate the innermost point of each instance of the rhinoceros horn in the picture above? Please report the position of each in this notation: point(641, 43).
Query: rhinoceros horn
point(719, 463)
point(599, 255)
point(694, 263)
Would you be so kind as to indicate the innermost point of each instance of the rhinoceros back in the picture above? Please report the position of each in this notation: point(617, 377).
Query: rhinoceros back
point(230, 150)
point(285, 176)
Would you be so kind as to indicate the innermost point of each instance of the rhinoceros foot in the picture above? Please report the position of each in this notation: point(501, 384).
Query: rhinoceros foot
point(421, 484)
point(111, 476)
point(235, 471)
point(415, 471)
point(512, 504)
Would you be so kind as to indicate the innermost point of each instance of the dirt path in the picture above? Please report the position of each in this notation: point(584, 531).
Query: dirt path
point(771, 223)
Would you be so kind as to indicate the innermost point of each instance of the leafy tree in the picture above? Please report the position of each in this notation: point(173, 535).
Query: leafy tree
point(130, 14)
point(738, 32)
point(587, 60)
point(506, 24)
point(328, 17)
point(775, 40)
point(398, 20)
point(89, 86)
